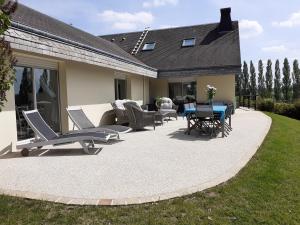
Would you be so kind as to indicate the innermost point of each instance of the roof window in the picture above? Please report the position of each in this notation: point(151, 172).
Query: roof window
point(149, 46)
point(188, 42)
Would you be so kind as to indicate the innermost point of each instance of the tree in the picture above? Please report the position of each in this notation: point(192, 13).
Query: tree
point(286, 80)
point(7, 61)
point(269, 79)
point(261, 79)
point(296, 80)
point(238, 86)
point(253, 87)
point(245, 79)
point(277, 82)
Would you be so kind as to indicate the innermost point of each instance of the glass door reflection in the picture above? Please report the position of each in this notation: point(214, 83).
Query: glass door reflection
point(46, 96)
point(36, 89)
point(24, 100)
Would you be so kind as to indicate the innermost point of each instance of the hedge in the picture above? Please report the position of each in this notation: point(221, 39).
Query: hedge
point(286, 109)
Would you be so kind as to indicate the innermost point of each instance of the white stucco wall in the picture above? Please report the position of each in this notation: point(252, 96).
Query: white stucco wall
point(158, 88)
point(225, 85)
point(8, 127)
point(92, 88)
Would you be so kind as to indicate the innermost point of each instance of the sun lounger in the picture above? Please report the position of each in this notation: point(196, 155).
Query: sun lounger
point(82, 122)
point(45, 136)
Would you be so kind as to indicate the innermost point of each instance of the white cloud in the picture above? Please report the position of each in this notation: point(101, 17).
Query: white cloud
point(250, 28)
point(126, 20)
point(292, 21)
point(158, 3)
point(275, 49)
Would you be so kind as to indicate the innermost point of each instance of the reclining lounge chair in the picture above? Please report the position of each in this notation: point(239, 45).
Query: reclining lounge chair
point(82, 122)
point(46, 136)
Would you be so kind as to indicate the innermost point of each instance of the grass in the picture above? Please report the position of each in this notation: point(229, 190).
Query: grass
point(266, 191)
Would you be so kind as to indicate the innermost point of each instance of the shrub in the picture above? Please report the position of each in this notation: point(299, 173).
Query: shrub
point(285, 109)
point(297, 110)
point(265, 104)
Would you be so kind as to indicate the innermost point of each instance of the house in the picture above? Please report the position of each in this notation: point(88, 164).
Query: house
point(59, 65)
point(188, 58)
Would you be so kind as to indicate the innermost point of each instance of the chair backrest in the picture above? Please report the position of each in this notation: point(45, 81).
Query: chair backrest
point(79, 118)
point(204, 111)
point(192, 105)
point(218, 103)
point(166, 103)
point(38, 125)
point(186, 106)
point(119, 104)
point(228, 111)
point(189, 106)
point(130, 112)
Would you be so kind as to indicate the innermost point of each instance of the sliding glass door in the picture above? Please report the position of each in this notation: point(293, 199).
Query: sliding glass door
point(36, 89)
point(182, 90)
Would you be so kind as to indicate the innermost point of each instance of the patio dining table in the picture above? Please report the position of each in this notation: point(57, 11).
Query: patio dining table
point(220, 109)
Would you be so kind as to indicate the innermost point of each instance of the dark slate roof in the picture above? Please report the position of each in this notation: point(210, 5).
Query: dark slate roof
point(31, 20)
point(214, 52)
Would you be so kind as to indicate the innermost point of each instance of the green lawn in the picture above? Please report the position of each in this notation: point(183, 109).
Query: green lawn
point(266, 191)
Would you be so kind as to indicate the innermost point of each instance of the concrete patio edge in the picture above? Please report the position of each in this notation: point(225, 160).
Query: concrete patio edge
point(230, 173)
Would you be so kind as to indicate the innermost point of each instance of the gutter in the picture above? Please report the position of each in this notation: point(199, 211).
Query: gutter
point(30, 30)
point(222, 70)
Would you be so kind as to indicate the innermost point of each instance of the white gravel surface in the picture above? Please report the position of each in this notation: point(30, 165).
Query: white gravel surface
point(146, 164)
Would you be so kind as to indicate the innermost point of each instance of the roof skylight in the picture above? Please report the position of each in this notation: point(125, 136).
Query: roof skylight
point(149, 46)
point(188, 42)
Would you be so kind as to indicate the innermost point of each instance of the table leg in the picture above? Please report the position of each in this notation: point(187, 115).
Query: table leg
point(188, 125)
point(223, 128)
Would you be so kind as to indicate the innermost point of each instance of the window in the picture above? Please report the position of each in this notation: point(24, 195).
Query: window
point(149, 46)
point(188, 42)
point(36, 89)
point(182, 90)
point(120, 89)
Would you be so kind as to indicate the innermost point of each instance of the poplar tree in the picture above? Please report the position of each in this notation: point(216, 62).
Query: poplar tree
point(253, 88)
point(238, 86)
point(277, 82)
point(261, 79)
point(245, 80)
point(286, 80)
point(269, 79)
point(296, 80)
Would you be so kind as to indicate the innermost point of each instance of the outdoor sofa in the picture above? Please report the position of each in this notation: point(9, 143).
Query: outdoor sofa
point(138, 118)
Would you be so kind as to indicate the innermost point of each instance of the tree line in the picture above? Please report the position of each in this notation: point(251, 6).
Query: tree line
point(285, 87)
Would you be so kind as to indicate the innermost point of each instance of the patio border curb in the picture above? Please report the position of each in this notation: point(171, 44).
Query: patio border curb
point(146, 199)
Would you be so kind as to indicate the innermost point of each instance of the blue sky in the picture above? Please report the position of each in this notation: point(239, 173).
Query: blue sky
point(269, 28)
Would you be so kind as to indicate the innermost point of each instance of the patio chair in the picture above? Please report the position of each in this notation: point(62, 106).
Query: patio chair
point(228, 113)
point(45, 136)
point(188, 108)
point(204, 119)
point(82, 122)
point(120, 112)
point(166, 105)
point(138, 119)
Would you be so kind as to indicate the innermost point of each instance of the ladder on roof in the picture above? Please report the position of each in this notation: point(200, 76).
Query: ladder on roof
point(140, 41)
